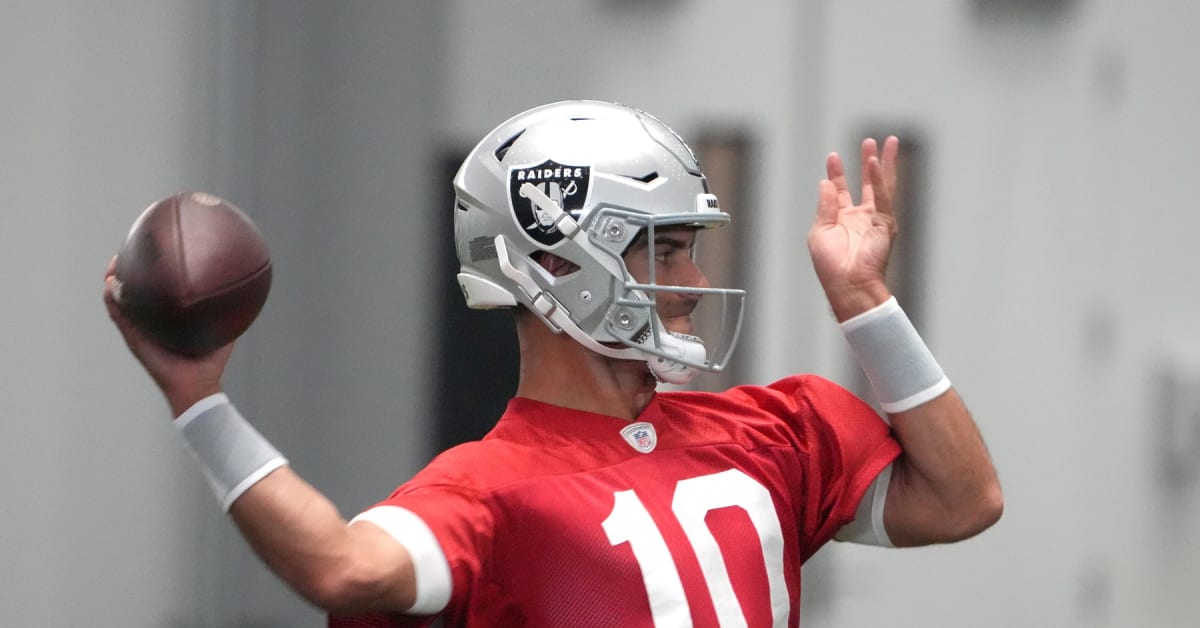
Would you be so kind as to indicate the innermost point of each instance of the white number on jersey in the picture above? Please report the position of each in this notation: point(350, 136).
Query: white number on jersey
point(629, 522)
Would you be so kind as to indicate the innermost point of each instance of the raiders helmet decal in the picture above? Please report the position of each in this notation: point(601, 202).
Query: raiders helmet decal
point(566, 185)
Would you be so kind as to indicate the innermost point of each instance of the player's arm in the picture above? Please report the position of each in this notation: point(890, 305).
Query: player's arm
point(295, 529)
point(943, 486)
point(300, 535)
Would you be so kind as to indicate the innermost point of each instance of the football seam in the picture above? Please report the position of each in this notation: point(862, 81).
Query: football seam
point(185, 280)
point(190, 301)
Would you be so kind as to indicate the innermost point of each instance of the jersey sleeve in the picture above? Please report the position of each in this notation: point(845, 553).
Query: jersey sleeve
point(843, 443)
point(378, 620)
point(448, 531)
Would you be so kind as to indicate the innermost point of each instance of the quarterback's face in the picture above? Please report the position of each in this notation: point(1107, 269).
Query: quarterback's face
point(673, 264)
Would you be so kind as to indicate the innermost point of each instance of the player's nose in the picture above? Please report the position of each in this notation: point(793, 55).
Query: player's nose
point(691, 276)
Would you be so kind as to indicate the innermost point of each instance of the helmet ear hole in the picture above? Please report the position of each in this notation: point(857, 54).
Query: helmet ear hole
point(554, 264)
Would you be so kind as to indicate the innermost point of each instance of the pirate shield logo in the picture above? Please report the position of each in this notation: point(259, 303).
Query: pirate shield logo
point(565, 185)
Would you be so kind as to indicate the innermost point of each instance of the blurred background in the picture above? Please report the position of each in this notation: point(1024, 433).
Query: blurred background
point(1047, 254)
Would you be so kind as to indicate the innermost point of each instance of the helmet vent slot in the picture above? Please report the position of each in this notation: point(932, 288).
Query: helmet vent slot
point(503, 149)
point(646, 178)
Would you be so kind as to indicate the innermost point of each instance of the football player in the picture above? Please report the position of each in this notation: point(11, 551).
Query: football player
point(598, 500)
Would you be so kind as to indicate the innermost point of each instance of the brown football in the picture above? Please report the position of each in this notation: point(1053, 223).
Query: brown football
point(193, 274)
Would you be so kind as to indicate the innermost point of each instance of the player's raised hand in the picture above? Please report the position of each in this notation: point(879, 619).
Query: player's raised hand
point(183, 380)
point(850, 243)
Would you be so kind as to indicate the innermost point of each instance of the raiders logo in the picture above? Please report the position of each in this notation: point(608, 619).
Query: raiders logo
point(566, 185)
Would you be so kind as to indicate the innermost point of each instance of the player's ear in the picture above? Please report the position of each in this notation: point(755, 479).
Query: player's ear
point(556, 265)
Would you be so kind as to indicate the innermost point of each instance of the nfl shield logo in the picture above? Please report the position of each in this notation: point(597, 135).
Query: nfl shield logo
point(640, 436)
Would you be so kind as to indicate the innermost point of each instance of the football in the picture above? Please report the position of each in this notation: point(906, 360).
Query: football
point(193, 273)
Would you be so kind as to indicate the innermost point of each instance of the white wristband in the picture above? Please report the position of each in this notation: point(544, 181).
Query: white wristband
point(899, 366)
point(232, 454)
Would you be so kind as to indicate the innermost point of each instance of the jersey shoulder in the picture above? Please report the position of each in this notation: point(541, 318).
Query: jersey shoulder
point(475, 467)
point(798, 402)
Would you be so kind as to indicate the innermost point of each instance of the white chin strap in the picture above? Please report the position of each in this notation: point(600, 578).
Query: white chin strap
point(690, 349)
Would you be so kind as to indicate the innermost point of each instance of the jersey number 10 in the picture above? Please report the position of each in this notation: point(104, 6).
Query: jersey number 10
point(629, 522)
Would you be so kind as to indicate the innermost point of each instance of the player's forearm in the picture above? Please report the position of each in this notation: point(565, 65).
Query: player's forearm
point(292, 526)
point(944, 487)
point(301, 536)
point(293, 529)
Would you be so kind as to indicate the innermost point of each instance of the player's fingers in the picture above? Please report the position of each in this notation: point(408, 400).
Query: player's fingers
point(867, 151)
point(868, 191)
point(880, 190)
point(827, 203)
point(869, 154)
point(110, 299)
point(837, 175)
point(891, 150)
point(133, 337)
point(112, 302)
point(110, 285)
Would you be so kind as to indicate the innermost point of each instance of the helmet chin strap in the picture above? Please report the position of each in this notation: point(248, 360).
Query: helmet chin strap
point(682, 346)
point(547, 308)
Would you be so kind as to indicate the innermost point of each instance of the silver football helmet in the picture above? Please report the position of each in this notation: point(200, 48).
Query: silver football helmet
point(581, 180)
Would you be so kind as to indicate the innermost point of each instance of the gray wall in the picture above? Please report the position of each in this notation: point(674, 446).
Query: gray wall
point(105, 109)
point(344, 101)
point(1059, 267)
point(318, 120)
point(1062, 276)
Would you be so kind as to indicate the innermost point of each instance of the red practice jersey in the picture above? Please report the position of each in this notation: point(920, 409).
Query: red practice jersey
point(700, 513)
